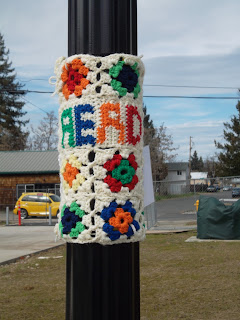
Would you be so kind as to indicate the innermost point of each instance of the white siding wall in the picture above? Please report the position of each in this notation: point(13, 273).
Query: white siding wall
point(173, 176)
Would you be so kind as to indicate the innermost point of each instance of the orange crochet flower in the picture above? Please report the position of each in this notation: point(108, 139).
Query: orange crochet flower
point(121, 220)
point(74, 77)
point(70, 174)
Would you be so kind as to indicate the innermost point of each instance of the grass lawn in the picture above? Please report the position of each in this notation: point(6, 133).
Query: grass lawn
point(179, 280)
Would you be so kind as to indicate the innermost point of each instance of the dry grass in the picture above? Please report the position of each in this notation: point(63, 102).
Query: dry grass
point(34, 289)
point(179, 280)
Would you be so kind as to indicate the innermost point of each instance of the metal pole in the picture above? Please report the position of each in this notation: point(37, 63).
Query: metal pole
point(102, 281)
point(7, 216)
point(50, 215)
point(19, 214)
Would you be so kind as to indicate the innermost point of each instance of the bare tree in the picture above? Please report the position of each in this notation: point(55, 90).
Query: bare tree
point(44, 137)
point(161, 146)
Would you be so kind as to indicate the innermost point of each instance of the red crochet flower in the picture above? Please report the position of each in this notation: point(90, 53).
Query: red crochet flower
point(121, 172)
point(74, 77)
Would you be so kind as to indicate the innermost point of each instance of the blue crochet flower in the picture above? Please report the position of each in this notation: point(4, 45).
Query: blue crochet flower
point(125, 78)
point(71, 220)
point(118, 220)
point(128, 78)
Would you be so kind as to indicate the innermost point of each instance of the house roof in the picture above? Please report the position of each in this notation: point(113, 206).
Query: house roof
point(199, 175)
point(19, 162)
point(177, 166)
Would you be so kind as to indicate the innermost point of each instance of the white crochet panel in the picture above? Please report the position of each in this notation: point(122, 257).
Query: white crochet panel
point(100, 148)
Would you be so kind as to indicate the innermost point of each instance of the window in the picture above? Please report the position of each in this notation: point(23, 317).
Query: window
point(26, 198)
point(33, 198)
point(55, 198)
point(179, 173)
point(44, 199)
point(24, 188)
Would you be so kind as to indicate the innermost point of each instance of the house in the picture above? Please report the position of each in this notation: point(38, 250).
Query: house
point(177, 171)
point(27, 171)
point(177, 180)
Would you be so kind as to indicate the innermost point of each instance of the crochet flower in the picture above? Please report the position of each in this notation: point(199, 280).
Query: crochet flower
point(125, 78)
point(74, 78)
point(121, 173)
point(71, 173)
point(71, 220)
point(119, 220)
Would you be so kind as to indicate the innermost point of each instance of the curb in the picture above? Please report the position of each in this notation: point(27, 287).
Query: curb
point(28, 255)
point(168, 231)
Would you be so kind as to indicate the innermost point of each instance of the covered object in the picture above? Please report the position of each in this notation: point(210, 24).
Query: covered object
point(215, 220)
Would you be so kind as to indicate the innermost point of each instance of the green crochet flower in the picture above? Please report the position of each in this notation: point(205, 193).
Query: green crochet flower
point(124, 172)
point(125, 78)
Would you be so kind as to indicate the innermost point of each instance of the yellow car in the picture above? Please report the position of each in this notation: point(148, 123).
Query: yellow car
point(37, 204)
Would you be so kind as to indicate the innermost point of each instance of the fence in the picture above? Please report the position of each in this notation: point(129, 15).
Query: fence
point(150, 216)
point(9, 197)
point(168, 188)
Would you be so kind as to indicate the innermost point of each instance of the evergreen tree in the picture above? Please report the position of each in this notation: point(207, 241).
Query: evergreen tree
point(12, 136)
point(149, 130)
point(229, 158)
point(196, 163)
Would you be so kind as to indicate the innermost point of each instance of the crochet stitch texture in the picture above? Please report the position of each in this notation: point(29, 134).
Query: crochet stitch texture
point(100, 148)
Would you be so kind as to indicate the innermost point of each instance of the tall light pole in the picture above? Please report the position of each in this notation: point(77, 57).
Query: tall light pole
point(102, 281)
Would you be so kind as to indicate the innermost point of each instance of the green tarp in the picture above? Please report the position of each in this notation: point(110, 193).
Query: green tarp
point(217, 221)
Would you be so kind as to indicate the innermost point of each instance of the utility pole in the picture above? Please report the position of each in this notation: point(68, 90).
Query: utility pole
point(102, 280)
point(190, 151)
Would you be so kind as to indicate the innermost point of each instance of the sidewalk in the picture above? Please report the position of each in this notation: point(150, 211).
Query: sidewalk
point(16, 242)
point(174, 226)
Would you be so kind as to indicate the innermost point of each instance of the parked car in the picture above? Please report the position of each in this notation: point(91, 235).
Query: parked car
point(227, 188)
point(235, 192)
point(211, 189)
point(37, 204)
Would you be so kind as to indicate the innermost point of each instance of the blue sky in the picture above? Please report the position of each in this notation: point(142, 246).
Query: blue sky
point(182, 42)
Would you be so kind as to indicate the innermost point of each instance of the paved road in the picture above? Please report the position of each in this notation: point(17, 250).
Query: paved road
point(181, 208)
point(13, 219)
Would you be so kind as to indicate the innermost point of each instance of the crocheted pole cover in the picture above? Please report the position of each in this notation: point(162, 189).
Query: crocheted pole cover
point(100, 148)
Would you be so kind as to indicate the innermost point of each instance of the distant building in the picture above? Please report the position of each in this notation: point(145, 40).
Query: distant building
point(27, 171)
point(177, 171)
point(199, 178)
point(177, 180)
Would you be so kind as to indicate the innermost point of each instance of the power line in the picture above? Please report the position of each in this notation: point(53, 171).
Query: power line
point(156, 85)
point(193, 97)
point(145, 96)
point(188, 86)
point(36, 91)
point(32, 80)
point(24, 91)
point(34, 105)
